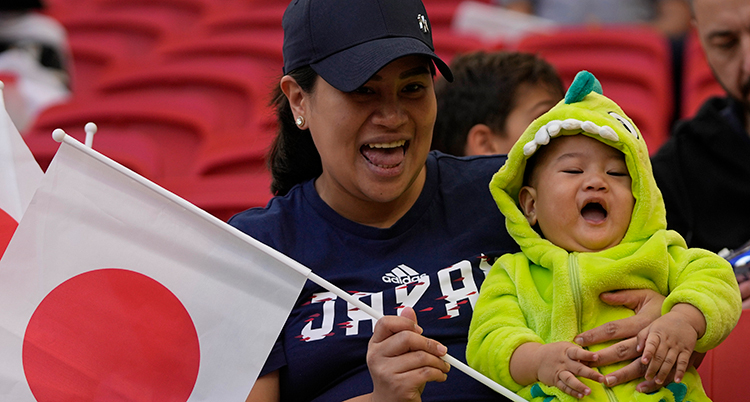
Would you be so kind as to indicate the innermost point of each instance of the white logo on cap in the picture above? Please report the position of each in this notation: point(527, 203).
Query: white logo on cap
point(423, 23)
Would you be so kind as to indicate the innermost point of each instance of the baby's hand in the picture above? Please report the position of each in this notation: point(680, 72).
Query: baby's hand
point(562, 363)
point(668, 342)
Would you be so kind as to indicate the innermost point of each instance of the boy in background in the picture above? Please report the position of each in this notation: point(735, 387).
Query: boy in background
point(494, 96)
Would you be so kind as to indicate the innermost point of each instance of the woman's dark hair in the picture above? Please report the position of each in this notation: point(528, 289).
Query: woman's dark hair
point(293, 158)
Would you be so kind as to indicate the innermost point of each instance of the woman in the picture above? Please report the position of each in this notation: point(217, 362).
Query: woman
point(362, 202)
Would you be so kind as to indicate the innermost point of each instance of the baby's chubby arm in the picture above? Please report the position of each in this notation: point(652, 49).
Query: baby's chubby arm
point(670, 340)
point(556, 364)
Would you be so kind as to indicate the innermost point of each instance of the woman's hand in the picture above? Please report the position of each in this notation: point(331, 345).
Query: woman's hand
point(647, 306)
point(401, 361)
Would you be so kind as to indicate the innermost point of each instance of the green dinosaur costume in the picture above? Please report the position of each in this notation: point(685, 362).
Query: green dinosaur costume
point(546, 294)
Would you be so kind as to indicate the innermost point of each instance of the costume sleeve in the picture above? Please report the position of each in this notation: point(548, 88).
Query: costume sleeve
point(498, 326)
point(706, 281)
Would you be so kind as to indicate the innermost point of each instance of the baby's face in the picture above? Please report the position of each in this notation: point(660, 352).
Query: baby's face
point(580, 194)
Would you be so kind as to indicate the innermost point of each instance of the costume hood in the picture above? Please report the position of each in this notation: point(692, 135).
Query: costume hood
point(584, 111)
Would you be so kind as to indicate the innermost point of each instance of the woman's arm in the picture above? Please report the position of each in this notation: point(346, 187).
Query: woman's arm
point(266, 389)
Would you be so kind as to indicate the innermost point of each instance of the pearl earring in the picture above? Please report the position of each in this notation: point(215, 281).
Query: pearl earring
point(299, 121)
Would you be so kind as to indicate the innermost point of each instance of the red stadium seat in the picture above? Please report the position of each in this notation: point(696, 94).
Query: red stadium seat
point(175, 15)
point(238, 20)
point(98, 42)
point(725, 368)
point(448, 44)
point(255, 55)
point(224, 195)
point(633, 63)
point(441, 12)
point(153, 139)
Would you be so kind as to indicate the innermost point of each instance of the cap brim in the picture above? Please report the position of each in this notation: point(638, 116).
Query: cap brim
point(349, 69)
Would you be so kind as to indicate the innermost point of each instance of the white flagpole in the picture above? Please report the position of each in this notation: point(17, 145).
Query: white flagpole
point(90, 129)
point(60, 136)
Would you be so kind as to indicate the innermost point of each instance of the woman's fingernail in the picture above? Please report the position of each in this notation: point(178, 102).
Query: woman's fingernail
point(442, 349)
point(637, 348)
point(610, 379)
point(579, 340)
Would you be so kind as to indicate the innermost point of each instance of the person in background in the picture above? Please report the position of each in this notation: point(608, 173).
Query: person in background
point(361, 200)
point(671, 17)
point(494, 96)
point(35, 60)
point(702, 169)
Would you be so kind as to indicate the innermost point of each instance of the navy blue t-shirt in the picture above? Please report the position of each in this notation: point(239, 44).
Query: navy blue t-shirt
point(433, 259)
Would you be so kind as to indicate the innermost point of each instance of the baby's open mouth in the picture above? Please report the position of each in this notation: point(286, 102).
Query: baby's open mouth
point(385, 155)
point(594, 212)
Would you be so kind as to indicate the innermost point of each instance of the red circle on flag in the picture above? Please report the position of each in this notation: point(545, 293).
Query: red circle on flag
point(8, 226)
point(111, 335)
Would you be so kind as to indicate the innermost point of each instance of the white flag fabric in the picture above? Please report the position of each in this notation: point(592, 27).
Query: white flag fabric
point(20, 175)
point(114, 289)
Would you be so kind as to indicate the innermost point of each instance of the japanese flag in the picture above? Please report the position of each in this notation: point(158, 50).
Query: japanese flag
point(19, 176)
point(114, 289)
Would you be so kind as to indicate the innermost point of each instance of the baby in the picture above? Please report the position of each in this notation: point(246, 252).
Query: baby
point(580, 199)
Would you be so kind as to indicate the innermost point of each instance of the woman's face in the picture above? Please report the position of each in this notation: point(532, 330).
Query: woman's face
point(373, 142)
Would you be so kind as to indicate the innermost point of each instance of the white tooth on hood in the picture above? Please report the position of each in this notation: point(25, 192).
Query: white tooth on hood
point(542, 137)
point(590, 127)
point(394, 144)
point(608, 133)
point(529, 148)
point(553, 128)
point(571, 124)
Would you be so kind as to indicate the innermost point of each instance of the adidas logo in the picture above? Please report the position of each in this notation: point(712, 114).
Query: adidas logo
point(402, 275)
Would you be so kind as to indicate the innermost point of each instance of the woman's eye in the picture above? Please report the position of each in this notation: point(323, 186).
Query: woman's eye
point(413, 87)
point(363, 91)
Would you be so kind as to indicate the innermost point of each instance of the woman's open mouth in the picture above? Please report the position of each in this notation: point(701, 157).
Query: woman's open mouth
point(385, 155)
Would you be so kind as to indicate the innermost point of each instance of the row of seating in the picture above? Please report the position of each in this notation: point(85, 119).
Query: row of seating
point(179, 88)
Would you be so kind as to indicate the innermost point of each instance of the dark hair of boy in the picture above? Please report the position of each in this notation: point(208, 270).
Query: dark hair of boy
point(484, 91)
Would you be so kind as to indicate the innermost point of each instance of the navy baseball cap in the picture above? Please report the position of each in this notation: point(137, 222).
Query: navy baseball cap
point(347, 41)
